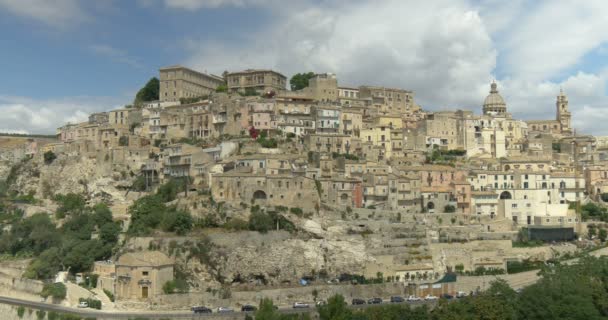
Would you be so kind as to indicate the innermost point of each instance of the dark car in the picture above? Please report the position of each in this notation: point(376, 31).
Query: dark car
point(201, 310)
point(358, 302)
point(248, 308)
point(374, 301)
point(397, 299)
point(447, 296)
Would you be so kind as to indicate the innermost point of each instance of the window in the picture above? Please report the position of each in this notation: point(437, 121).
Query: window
point(144, 273)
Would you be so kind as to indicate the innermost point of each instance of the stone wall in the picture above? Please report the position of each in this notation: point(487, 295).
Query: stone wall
point(282, 297)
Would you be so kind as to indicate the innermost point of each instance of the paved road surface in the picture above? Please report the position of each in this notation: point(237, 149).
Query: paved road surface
point(113, 314)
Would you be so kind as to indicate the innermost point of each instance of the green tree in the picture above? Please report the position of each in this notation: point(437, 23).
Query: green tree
point(261, 222)
point(146, 214)
point(49, 157)
point(109, 232)
point(221, 88)
point(178, 221)
point(69, 204)
point(592, 232)
point(266, 311)
point(335, 309)
point(250, 92)
point(300, 80)
point(55, 290)
point(602, 235)
point(150, 92)
point(449, 208)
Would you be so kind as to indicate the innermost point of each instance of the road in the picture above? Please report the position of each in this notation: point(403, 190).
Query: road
point(89, 313)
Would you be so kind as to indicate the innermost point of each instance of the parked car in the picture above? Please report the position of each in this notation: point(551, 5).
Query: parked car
point(224, 310)
point(447, 296)
point(248, 308)
point(461, 294)
point(430, 297)
point(358, 302)
point(374, 301)
point(397, 299)
point(302, 305)
point(413, 299)
point(201, 309)
point(83, 304)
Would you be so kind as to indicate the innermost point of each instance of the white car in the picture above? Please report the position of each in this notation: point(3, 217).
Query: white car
point(413, 298)
point(83, 304)
point(224, 310)
point(430, 297)
point(300, 305)
point(461, 294)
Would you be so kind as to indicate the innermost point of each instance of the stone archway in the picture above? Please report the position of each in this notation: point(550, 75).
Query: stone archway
point(344, 199)
point(430, 205)
point(259, 195)
point(506, 195)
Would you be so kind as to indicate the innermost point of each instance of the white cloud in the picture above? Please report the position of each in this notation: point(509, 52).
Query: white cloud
point(199, 4)
point(552, 36)
point(439, 49)
point(58, 13)
point(115, 54)
point(22, 114)
point(446, 51)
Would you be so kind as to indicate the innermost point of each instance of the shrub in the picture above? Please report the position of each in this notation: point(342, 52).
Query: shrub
point(109, 294)
point(236, 224)
point(261, 222)
point(93, 303)
point(55, 290)
point(49, 157)
point(449, 208)
point(123, 141)
point(20, 312)
point(297, 211)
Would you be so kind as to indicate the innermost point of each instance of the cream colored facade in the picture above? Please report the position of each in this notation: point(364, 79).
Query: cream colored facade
point(397, 101)
point(323, 87)
point(180, 82)
point(256, 79)
point(141, 275)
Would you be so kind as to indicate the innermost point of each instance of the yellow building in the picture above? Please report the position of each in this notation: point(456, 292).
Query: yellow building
point(141, 275)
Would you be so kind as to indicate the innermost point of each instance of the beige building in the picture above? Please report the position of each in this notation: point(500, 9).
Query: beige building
point(561, 126)
point(141, 275)
point(180, 82)
point(389, 100)
point(257, 79)
point(322, 87)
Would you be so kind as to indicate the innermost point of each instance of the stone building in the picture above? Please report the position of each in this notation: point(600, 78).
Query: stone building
point(323, 87)
point(141, 275)
point(180, 82)
point(259, 80)
point(243, 186)
point(559, 127)
point(494, 104)
point(389, 100)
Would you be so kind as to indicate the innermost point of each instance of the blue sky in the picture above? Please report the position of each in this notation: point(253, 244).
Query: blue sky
point(64, 59)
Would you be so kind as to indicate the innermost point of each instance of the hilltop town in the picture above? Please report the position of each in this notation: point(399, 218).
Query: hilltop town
point(222, 190)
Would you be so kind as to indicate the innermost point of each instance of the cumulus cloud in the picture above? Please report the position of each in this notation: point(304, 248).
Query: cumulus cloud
point(57, 13)
point(440, 49)
point(44, 116)
point(446, 51)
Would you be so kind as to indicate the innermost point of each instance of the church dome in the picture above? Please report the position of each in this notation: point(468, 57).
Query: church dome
point(494, 104)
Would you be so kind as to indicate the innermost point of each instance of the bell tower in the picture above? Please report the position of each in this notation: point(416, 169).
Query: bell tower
point(563, 115)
